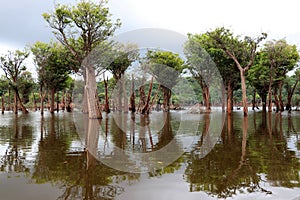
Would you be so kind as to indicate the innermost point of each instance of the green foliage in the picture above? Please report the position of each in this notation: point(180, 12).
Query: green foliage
point(54, 63)
point(165, 67)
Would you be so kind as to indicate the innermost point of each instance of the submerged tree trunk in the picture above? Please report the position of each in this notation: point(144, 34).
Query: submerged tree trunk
point(24, 110)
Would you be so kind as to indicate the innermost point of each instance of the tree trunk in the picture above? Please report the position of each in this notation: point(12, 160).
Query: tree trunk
point(254, 100)
point(223, 98)
point(142, 100)
point(145, 109)
point(24, 110)
point(9, 99)
point(276, 99)
point(167, 96)
point(63, 101)
point(264, 102)
point(125, 98)
point(57, 103)
point(229, 98)
point(106, 107)
point(3, 107)
point(15, 103)
point(290, 96)
point(52, 100)
point(34, 102)
point(206, 97)
point(132, 96)
point(270, 90)
point(281, 105)
point(244, 94)
point(92, 95)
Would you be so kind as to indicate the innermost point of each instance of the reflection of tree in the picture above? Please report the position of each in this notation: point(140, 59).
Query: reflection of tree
point(271, 155)
point(19, 138)
point(225, 171)
point(77, 172)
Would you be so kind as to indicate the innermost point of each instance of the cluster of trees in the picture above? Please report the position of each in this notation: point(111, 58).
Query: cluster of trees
point(82, 32)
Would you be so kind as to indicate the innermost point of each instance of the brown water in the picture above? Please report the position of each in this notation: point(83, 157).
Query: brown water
point(50, 157)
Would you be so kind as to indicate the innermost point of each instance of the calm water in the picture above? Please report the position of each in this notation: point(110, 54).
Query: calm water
point(182, 156)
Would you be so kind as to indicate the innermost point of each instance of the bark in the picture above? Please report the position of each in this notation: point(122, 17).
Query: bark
point(15, 103)
point(206, 97)
point(254, 100)
point(57, 102)
point(9, 99)
point(63, 101)
point(270, 90)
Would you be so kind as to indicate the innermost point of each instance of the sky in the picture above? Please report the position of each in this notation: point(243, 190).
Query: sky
point(21, 22)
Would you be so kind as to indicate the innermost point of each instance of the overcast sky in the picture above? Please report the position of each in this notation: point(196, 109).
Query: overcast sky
point(21, 22)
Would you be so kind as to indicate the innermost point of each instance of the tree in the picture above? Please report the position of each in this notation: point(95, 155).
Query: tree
point(54, 66)
point(205, 61)
point(13, 65)
point(291, 89)
point(166, 68)
point(26, 85)
point(81, 28)
point(121, 57)
point(241, 51)
point(281, 58)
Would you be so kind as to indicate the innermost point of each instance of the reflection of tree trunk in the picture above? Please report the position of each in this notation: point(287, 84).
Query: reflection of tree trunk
point(244, 141)
point(132, 130)
point(270, 124)
point(229, 127)
point(264, 121)
point(142, 132)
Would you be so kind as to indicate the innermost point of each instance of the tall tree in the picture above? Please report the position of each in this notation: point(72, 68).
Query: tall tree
point(166, 68)
point(241, 51)
point(13, 65)
point(281, 58)
point(81, 28)
point(54, 66)
point(291, 87)
point(206, 61)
